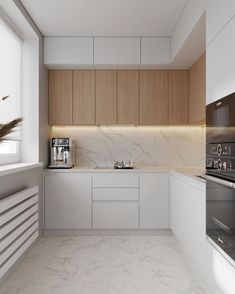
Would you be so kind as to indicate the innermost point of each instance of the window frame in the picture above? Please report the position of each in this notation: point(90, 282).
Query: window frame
point(11, 158)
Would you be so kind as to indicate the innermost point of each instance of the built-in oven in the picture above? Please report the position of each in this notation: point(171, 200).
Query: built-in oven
point(220, 176)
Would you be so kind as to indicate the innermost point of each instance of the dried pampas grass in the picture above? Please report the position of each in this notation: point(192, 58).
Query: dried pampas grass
point(6, 129)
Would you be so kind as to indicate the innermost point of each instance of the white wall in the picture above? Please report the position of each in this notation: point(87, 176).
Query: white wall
point(187, 21)
point(218, 13)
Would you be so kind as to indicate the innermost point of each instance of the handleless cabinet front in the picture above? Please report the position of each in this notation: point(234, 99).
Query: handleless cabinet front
point(154, 201)
point(60, 97)
point(67, 201)
point(84, 97)
point(128, 97)
point(154, 97)
point(116, 201)
point(106, 97)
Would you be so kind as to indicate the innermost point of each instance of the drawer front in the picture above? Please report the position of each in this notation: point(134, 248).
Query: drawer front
point(113, 194)
point(115, 181)
point(115, 215)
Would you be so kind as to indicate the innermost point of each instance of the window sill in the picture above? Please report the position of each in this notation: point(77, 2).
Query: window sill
point(17, 167)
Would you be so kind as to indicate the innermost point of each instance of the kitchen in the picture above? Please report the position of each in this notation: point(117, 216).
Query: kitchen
point(104, 187)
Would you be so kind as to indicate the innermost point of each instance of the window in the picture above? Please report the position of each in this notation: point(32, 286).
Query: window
point(10, 85)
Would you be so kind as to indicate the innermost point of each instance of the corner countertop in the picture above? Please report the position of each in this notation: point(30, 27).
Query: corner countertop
point(187, 174)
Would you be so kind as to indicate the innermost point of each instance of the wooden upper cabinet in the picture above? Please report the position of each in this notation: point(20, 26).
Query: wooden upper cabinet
point(178, 97)
point(84, 97)
point(128, 96)
point(60, 97)
point(197, 91)
point(106, 97)
point(154, 97)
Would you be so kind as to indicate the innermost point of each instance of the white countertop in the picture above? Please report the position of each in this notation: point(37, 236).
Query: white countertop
point(189, 174)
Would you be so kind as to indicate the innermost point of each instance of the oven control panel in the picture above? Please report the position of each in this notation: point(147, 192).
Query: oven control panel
point(225, 149)
point(220, 158)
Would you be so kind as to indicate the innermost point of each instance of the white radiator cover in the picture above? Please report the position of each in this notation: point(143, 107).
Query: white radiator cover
point(18, 226)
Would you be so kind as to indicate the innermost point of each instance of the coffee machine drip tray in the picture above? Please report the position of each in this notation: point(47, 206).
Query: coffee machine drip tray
point(60, 167)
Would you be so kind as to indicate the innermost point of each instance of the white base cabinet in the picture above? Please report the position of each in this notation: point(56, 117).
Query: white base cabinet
point(187, 220)
point(154, 201)
point(67, 201)
point(120, 200)
point(115, 215)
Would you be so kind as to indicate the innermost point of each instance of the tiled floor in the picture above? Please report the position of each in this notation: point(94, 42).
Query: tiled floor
point(104, 265)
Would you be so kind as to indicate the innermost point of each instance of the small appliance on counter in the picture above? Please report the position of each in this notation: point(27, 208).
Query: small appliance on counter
point(61, 153)
point(120, 164)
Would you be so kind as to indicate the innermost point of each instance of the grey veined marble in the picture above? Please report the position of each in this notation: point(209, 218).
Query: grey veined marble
point(146, 146)
point(105, 265)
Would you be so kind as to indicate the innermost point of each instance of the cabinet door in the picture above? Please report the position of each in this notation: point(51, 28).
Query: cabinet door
point(178, 97)
point(116, 50)
point(128, 96)
point(67, 201)
point(199, 229)
point(197, 91)
point(115, 215)
point(68, 51)
point(154, 201)
point(60, 97)
point(106, 97)
point(84, 97)
point(155, 50)
point(181, 207)
point(175, 207)
point(153, 97)
point(187, 220)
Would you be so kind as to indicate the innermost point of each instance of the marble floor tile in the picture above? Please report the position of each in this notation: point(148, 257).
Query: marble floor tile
point(105, 265)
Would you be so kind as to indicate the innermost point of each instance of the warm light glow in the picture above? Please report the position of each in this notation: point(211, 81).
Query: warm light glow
point(127, 127)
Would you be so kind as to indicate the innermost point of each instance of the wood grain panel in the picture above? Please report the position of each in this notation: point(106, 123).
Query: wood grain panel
point(178, 97)
point(84, 97)
point(106, 97)
point(60, 97)
point(197, 91)
point(154, 97)
point(128, 96)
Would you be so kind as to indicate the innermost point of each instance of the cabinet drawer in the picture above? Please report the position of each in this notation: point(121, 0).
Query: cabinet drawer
point(115, 215)
point(111, 194)
point(116, 181)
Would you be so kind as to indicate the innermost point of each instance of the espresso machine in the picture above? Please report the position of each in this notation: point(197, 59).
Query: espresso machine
point(61, 153)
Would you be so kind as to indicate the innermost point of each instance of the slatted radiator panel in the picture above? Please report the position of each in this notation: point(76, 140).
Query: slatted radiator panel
point(18, 225)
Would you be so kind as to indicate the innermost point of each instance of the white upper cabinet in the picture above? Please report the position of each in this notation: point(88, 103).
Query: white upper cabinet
point(155, 50)
point(68, 51)
point(220, 64)
point(116, 50)
point(83, 52)
point(218, 13)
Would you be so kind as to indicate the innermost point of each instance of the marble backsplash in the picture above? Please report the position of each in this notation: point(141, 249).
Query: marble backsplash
point(146, 146)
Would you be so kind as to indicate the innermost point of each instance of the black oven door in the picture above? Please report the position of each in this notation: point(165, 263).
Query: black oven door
point(220, 215)
point(221, 113)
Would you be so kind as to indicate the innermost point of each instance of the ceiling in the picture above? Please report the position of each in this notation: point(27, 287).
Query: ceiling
point(105, 17)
